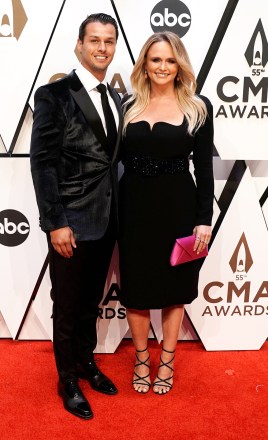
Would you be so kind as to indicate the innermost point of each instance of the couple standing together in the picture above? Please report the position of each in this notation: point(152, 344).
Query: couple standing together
point(78, 130)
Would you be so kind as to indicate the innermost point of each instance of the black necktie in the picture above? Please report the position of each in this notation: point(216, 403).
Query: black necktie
point(109, 118)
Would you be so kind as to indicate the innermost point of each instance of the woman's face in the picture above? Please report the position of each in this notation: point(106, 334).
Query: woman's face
point(161, 65)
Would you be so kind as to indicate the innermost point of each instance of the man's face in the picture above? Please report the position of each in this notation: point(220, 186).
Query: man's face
point(98, 48)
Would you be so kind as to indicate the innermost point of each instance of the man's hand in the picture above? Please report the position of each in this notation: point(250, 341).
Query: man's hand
point(63, 241)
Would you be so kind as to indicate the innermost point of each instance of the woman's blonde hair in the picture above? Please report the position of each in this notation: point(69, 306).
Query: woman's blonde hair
point(191, 105)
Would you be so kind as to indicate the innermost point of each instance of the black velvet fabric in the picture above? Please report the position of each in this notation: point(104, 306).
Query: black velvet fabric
point(75, 177)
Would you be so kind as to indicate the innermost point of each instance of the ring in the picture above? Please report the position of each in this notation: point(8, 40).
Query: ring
point(197, 238)
point(201, 241)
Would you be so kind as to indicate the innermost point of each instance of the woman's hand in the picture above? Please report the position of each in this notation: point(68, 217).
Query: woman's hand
point(203, 236)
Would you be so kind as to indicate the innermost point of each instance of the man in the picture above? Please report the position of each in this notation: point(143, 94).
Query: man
point(74, 150)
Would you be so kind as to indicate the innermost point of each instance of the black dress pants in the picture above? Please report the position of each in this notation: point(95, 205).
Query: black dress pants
point(77, 288)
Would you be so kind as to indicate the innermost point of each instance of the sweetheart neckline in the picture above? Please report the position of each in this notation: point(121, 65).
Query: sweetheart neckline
point(158, 122)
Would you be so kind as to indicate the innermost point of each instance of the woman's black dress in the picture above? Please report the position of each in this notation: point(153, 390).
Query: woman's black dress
point(158, 203)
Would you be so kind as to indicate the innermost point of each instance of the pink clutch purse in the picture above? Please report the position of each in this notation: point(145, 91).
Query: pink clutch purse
point(182, 251)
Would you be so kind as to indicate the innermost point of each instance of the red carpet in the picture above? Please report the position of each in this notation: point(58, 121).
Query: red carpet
point(216, 395)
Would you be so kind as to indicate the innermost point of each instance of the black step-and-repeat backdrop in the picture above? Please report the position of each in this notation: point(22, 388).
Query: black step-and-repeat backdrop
point(228, 45)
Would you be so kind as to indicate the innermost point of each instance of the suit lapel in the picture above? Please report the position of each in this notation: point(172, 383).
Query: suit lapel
point(83, 100)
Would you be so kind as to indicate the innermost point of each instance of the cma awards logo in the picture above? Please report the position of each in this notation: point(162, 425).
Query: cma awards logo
point(257, 51)
point(256, 56)
point(107, 312)
point(171, 15)
point(241, 260)
point(116, 83)
point(12, 18)
point(236, 297)
point(14, 228)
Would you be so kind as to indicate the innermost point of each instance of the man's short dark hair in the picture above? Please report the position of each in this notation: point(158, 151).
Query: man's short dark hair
point(93, 18)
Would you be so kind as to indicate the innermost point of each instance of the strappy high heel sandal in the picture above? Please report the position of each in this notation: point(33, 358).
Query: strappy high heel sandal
point(141, 380)
point(164, 382)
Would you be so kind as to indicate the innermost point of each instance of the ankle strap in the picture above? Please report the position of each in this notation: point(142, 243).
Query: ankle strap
point(167, 351)
point(141, 351)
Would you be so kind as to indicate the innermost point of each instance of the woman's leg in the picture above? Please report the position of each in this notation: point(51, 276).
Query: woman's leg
point(139, 323)
point(171, 322)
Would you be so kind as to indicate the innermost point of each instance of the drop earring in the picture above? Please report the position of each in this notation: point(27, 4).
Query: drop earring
point(145, 74)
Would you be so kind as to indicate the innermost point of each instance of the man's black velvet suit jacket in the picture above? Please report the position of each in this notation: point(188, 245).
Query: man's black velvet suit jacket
point(74, 173)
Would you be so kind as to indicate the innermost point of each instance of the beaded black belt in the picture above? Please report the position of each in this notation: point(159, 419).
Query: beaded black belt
point(148, 166)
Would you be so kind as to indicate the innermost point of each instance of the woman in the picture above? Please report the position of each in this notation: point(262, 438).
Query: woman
point(165, 122)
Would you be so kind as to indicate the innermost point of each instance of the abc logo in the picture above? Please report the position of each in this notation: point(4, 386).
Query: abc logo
point(14, 227)
point(171, 15)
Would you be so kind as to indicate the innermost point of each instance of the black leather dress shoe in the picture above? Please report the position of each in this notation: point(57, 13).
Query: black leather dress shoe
point(74, 400)
point(97, 379)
